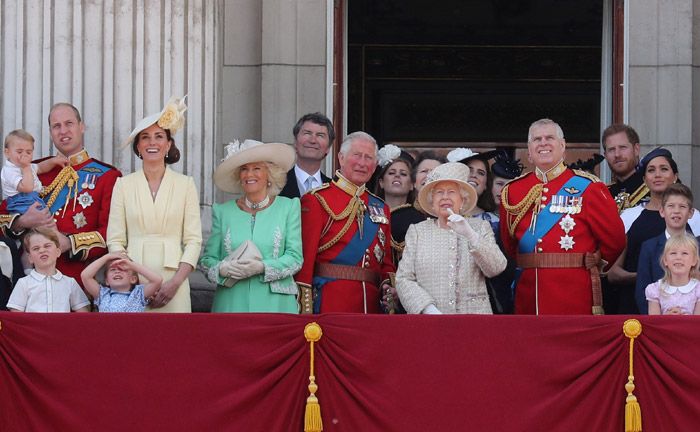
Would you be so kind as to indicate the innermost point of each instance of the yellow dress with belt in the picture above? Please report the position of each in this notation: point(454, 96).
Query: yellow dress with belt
point(160, 233)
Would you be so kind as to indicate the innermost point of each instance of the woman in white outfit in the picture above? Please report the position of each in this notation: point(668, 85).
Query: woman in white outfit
point(446, 260)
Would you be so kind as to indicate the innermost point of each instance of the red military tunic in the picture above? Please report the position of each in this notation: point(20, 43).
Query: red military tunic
point(330, 234)
point(597, 227)
point(81, 214)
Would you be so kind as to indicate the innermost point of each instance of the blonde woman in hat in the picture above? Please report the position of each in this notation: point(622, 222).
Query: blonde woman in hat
point(154, 215)
point(255, 243)
point(446, 260)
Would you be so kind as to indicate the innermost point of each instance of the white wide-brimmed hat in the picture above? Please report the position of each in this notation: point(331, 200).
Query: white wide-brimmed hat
point(454, 172)
point(282, 155)
point(171, 117)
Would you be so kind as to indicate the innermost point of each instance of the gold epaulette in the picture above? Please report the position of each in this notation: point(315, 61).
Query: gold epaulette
point(82, 242)
point(316, 189)
point(6, 220)
point(586, 174)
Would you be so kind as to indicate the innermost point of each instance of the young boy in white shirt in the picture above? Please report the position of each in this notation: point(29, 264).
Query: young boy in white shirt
point(46, 289)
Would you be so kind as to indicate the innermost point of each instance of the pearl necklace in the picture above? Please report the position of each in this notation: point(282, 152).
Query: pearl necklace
point(257, 206)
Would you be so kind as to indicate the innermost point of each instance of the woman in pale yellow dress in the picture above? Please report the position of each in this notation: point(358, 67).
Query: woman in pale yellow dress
point(155, 211)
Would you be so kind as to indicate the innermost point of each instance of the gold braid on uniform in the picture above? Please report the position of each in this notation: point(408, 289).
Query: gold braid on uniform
point(66, 176)
point(354, 207)
point(518, 210)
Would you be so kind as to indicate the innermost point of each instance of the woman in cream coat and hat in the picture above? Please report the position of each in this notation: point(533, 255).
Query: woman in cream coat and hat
point(446, 259)
point(255, 243)
point(154, 215)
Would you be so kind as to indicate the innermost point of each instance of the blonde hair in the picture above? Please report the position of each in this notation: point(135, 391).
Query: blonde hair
point(21, 134)
point(680, 240)
point(276, 175)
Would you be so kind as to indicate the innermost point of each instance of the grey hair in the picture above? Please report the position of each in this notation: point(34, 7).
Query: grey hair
point(359, 135)
point(275, 175)
point(462, 192)
point(545, 122)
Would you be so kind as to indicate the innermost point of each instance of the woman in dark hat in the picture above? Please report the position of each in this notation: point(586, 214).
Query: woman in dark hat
point(504, 169)
point(643, 222)
point(395, 186)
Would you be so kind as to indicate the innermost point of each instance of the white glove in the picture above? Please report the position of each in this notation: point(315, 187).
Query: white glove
point(225, 268)
point(460, 225)
point(243, 269)
point(431, 310)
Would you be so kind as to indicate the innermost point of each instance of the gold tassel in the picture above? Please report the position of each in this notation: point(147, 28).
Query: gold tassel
point(633, 412)
point(312, 415)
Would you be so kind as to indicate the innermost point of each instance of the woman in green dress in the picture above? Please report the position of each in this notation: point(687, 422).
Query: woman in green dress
point(255, 243)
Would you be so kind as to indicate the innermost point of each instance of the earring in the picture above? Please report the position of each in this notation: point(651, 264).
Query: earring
point(269, 184)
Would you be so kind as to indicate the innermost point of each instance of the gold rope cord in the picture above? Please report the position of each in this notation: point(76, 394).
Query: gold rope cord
point(518, 210)
point(66, 176)
point(633, 413)
point(312, 415)
point(354, 207)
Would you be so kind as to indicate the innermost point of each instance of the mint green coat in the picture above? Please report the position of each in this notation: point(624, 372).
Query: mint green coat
point(276, 231)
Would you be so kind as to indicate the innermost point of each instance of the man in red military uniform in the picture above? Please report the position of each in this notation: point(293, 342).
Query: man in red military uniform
point(346, 237)
point(77, 196)
point(558, 223)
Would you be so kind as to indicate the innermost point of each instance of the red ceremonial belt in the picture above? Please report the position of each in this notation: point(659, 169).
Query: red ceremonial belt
point(569, 260)
point(339, 271)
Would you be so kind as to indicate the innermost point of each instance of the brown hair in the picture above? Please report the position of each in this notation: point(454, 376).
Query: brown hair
point(614, 129)
point(677, 189)
point(42, 231)
point(19, 133)
point(173, 155)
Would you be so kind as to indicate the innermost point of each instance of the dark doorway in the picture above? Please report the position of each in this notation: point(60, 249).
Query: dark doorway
point(472, 72)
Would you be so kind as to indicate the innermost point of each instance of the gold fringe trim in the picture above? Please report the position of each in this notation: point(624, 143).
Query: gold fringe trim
point(312, 414)
point(633, 413)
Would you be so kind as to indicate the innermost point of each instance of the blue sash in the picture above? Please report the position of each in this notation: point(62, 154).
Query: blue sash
point(91, 169)
point(353, 252)
point(546, 219)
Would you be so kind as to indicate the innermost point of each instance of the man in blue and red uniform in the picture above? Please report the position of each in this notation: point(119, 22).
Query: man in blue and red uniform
point(78, 196)
point(558, 223)
point(346, 238)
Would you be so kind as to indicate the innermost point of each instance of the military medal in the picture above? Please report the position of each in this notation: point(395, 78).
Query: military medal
point(93, 180)
point(376, 215)
point(85, 200)
point(567, 242)
point(382, 237)
point(84, 185)
point(378, 253)
point(79, 220)
point(567, 223)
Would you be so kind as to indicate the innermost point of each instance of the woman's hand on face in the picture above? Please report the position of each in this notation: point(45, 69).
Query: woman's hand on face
point(165, 294)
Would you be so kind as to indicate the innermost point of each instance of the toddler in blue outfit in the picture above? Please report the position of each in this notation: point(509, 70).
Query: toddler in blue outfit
point(121, 292)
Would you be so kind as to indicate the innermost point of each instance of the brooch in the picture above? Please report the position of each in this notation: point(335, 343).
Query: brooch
point(79, 220)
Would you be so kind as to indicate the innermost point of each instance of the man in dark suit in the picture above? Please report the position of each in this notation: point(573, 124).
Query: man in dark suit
point(676, 209)
point(313, 136)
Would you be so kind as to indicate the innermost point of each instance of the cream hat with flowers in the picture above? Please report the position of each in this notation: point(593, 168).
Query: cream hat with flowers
point(454, 172)
point(237, 154)
point(171, 117)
